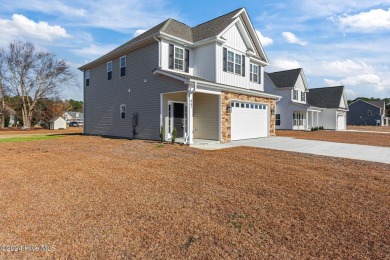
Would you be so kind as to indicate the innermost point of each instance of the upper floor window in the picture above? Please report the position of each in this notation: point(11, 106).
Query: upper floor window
point(179, 58)
point(109, 70)
point(254, 73)
point(233, 62)
point(295, 94)
point(303, 96)
point(369, 112)
point(122, 65)
point(87, 77)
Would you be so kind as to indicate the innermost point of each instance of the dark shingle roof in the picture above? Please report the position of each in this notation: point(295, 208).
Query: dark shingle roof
point(327, 97)
point(377, 103)
point(286, 78)
point(179, 30)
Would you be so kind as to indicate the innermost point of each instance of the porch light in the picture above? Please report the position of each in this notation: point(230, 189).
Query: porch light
point(229, 108)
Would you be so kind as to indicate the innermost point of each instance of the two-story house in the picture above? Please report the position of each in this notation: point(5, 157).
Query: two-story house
point(207, 82)
point(301, 108)
point(367, 113)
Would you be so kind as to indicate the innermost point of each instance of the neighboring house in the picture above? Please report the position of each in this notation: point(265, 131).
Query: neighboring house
point(367, 113)
point(12, 115)
point(206, 81)
point(57, 123)
point(300, 107)
point(334, 105)
point(70, 116)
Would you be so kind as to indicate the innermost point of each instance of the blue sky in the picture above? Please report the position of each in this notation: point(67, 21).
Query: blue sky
point(335, 42)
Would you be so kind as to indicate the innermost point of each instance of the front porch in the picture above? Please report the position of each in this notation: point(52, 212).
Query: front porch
point(198, 111)
point(306, 120)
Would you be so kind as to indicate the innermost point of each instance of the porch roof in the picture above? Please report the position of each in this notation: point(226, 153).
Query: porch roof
point(187, 79)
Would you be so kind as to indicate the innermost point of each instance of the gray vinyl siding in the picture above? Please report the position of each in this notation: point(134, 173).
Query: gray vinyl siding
point(206, 114)
point(357, 114)
point(103, 98)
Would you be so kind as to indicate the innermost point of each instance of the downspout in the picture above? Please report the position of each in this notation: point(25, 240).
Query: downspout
point(190, 91)
point(159, 51)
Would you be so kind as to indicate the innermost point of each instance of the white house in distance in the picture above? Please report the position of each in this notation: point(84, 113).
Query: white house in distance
point(57, 123)
point(71, 116)
point(302, 108)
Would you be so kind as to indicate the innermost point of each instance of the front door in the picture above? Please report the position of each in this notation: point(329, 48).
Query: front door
point(177, 118)
point(298, 121)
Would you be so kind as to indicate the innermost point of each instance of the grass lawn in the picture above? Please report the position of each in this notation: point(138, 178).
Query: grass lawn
point(100, 198)
point(28, 138)
point(374, 139)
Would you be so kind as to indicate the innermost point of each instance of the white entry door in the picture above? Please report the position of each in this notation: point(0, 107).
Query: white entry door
point(340, 122)
point(248, 120)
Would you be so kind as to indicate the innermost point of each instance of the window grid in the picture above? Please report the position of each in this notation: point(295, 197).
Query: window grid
point(179, 58)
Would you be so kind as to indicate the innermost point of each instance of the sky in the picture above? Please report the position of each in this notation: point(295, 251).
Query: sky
point(335, 42)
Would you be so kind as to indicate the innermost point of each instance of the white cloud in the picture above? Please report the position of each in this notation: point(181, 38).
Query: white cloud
point(372, 20)
point(351, 94)
point(94, 51)
point(292, 38)
point(346, 67)
point(138, 32)
point(265, 41)
point(21, 27)
point(281, 64)
point(371, 82)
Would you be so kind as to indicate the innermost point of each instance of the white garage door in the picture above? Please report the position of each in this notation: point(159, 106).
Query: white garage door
point(248, 120)
point(340, 122)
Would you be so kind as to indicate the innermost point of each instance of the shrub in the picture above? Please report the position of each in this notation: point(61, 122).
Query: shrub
point(174, 133)
point(161, 134)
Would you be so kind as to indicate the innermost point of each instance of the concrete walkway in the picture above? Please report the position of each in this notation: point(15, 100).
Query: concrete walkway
point(351, 151)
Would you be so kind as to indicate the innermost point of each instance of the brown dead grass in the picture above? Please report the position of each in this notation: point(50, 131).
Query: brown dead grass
point(369, 128)
point(99, 198)
point(374, 139)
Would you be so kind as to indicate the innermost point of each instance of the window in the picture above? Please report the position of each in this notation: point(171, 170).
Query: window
point(369, 112)
point(123, 111)
point(179, 58)
point(295, 95)
point(254, 73)
point(303, 96)
point(109, 70)
point(87, 77)
point(230, 62)
point(277, 121)
point(237, 65)
point(122, 65)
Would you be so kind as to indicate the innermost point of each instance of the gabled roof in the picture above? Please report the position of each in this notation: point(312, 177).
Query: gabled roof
point(377, 103)
point(73, 114)
point(327, 97)
point(286, 78)
point(181, 75)
point(179, 30)
point(10, 111)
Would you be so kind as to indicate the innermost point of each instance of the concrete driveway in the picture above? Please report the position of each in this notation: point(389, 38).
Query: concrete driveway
point(351, 151)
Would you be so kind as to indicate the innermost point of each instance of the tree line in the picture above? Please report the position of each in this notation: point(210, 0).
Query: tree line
point(30, 81)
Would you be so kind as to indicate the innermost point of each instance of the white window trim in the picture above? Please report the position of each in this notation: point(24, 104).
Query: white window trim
point(120, 65)
point(175, 58)
point(110, 62)
point(234, 61)
point(303, 94)
point(251, 72)
point(293, 94)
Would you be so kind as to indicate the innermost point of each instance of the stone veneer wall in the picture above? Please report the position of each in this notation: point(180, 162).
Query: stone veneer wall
point(227, 98)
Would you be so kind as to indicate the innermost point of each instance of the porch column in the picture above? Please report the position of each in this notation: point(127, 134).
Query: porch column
point(307, 120)
point(190, 114)
point(317, 119)
point(312, 119)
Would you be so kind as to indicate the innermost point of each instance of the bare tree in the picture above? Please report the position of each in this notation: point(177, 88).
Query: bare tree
point(32, 75)
point(3, 91)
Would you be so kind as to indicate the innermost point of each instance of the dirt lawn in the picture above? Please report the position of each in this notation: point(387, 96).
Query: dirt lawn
point(92, 197)
point(369, 128)
point(375, 139)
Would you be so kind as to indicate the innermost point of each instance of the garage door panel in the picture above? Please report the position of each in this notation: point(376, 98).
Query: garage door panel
point(247, 123)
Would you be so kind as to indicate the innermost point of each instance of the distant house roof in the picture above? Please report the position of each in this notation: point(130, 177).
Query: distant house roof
point(378, 103)
point(327, 97)
point(180, 30)
point(285, 79)
point(73, 114)
point(10, 111)
point(55, 118)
